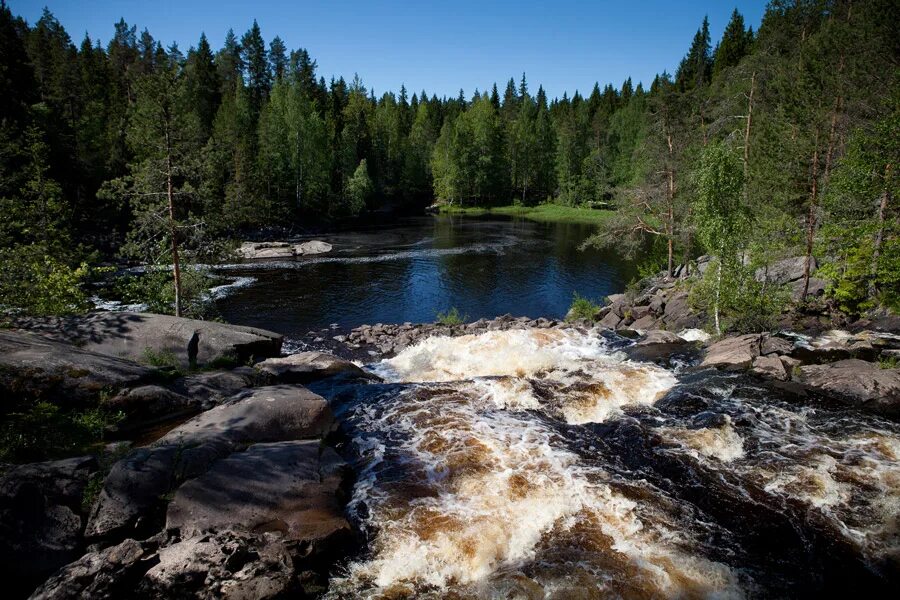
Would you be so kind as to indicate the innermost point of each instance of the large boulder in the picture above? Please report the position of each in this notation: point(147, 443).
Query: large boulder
point(145, 337)
point(656, 345)
point(860, 383)
point(312, 247)
point(148, 405)
point(835, 345)
point(304, 367)
point(785, 271)
point(678, 313)
point(770, 367)
point(227, 566)
point(262, 250)
point(212, 387)
point(34, 366)
point(40, 520)
point(733, 353)
point(266, 414)
point(290, 487)
point(108, 573)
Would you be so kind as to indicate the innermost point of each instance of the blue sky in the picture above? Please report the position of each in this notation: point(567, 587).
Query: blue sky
point(438, 46)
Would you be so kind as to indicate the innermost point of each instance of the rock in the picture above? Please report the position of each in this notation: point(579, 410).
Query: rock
point(639, 312)
point(860, 383)
point(678, 314)
point(610, 321)
point(108, 573)
point(312, 247)
point(785, 271)
point(129, 503)
point(142, 336)
point(834, 345)
point(733, 353)
point(657, 304)
point(261, 250)
point(771, 367)
point(656, 345)
point(304, 367)
point(816, 288)
point(775, 345)
point(211, 387)
point(644, 323)
point(289, 487)
point(266, 414)
point(702, 264)
point(230, 565)
point(148, 405)
point(40, 520)
point(34, 366)
point(615, 298)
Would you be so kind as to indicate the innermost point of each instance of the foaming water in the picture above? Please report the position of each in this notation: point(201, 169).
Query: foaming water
point(544, 464)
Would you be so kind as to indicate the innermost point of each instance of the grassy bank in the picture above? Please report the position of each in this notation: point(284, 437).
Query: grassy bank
point(545, 213)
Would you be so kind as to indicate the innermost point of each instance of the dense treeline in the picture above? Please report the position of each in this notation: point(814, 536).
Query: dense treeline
point(142, 151)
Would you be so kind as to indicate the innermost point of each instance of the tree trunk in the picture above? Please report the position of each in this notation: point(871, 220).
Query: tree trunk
point(879, 236)
point(747, 138)
point(718, 292)
point(811, 218)
point(173, 229)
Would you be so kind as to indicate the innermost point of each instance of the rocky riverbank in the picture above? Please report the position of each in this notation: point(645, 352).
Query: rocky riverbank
point(223, 480)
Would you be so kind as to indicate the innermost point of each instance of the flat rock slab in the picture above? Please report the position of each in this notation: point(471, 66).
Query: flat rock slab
point(33, 366)
point(304, 367)
point(266, 414)
point(40, 519)
point(733, 353)
point(212, 387)
point(289, 487)
point(142, 336)
point(860, 383)
point(657, 344)
point(771, 367)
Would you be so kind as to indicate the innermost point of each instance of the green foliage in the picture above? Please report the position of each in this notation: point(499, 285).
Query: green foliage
point(33, 282)
point(451, 317)
point(582, 308)
point(154, 288)
point(43, 431)
point(359, 189)
point(160, 359)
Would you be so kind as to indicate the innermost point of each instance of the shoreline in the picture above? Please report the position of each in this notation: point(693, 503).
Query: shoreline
point(541, 213)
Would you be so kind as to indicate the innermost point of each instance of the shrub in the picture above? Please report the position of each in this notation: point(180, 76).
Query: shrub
point(35, 283)
point(582, 308)
point(451, 317)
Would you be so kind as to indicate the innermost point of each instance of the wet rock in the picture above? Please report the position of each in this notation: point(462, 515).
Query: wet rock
point(266, 414)
point(40, 519)
point(304, 367)
point(109, 573)
point(775, 345)
point(289, 487)
point(834, 345)
point(859, 383)
point(34, 366)
point(229, 565)
point(312, 247)
point(656, 345)
point(770, 367)
point(138, 336)
point(733, 353)
point(785, 271)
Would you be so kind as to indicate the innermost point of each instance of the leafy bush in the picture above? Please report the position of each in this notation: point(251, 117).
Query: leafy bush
point(451, 317)
point(156, 290)
point(582, 308)
point(35, 283)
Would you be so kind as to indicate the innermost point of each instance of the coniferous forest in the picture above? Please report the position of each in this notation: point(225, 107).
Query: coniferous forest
point(139, 151)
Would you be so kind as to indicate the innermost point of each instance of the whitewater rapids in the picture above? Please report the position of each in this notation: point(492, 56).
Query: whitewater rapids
point(545, 464)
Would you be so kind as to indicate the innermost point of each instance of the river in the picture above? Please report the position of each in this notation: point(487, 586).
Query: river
point(542, 463)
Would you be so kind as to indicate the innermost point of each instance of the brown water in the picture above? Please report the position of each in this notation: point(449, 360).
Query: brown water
point(543, 464)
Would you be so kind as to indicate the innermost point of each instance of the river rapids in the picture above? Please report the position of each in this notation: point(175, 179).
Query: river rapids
point(543, 463)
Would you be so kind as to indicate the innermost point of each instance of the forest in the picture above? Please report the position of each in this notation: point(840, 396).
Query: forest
point(762, 144)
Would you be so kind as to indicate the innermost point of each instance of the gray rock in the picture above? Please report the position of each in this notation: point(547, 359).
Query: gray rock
point(109, 573)
point(656, 345)
point(775, 345)
point(260, 250)
point(312, 247)
point(211, 387)
point(148, 405)
point(40, 519)
point(32, 365)
point(678, 314)
point(137, 336)
point(610, 321)
point(644, 323)
point(785, 271)
point(266, 414)
point(639, 312)
point(289, 487)
point(859, 383)
point(770, 367)
point(304, 367)
point(733, 353)
point(816, 288)
point(130, 501)
point(230, 565)
point(657, 304)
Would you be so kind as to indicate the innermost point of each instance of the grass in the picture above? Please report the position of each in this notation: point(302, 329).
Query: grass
point(582, 308)
point(544, 213)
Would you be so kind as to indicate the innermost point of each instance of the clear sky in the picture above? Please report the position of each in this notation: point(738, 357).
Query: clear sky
point(438, 46)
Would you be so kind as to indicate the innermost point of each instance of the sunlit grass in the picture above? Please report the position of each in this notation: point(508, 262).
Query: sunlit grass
point(545, 213)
